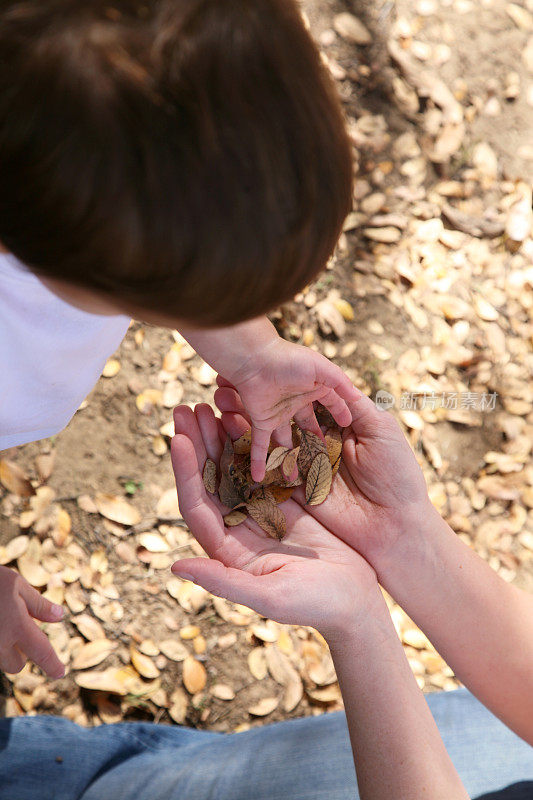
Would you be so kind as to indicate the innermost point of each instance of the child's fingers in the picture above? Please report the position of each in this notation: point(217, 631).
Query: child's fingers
point(258, 452)
point(12, 661)
point(198, 510)
point(38, 606)
point(208, 426)
point(34, 643)
point(337, 407)
point(332, 376)
point(228, 399)
point(306, 419)
point(254, 591)
point(234, 424)
point(185, 423)
point(283, 435)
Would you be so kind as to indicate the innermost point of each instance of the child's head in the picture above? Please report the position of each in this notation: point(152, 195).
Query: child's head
point(187, 157)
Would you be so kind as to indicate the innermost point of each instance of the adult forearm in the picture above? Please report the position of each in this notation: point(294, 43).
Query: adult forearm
point(398, 751)
point(229, 349)
point(482, 626)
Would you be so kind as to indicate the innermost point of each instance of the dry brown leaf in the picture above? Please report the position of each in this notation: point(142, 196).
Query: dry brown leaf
point(75, 598)
point(276, 458)
point(117, 509)
point(172, 394)
point(257, 663)
point(269, 517)
point(14, 479)
point(264, 707)
point(189, 631)
point(118, 680)
point(333, 439)
point(174, 649)
point(167, 508)
point(14, 549)
point(192, 598)
point(267, 633)
point(310, 446)
point(89, 627)
point(44, 464)
point(289, 462)
point(318, 480)
point(194, 675)
point(243, 444)
point(209, 476)
point(179, 702)
point(111, 368)
point(281, 493)
point(93, 653)
point(325, 695)
point(32, 571)
point(153, 542)
point(222, 691)
point(234, 518)
point(143, 664)
point(149, 648)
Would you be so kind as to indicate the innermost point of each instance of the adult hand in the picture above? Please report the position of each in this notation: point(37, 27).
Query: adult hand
point(309, 578)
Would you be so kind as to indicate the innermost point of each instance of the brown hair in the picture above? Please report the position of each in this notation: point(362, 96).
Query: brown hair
point(185, 156)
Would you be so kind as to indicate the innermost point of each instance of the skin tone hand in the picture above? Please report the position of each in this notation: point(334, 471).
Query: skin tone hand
point(480, 624)
point(276, 381)
point(20, 638)
point(313, 578)
point(247, 565)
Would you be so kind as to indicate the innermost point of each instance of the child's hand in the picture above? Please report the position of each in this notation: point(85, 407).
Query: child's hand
point(20, 638)
point(383, 495)
point(310, 578)
point(278, 383)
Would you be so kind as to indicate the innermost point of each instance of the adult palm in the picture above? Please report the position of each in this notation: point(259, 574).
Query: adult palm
point(310, 578)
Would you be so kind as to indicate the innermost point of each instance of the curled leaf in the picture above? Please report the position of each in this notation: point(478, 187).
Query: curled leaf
point(289, 462)
point(276, 458)
point(333, 439)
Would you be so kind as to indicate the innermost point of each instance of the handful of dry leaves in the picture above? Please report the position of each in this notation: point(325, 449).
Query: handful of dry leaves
point(311, 460)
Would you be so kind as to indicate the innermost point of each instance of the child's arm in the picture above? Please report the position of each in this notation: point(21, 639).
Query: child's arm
point(20, 638)
point(313, 578)
point(276, 381)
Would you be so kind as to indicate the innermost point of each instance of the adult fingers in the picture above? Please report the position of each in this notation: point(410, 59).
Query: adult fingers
point(198, 510)
point(254, 591)
point(38, 606)
point(12, 660)
point(185, 423)
point(259, 450)
point(207, 423)
point(337, 407)
point(228, 399)
point(34, 643)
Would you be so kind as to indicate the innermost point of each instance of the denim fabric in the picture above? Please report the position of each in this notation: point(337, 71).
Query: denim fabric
point(50, 758)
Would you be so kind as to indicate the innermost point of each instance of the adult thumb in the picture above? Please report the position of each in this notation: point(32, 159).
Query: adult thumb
point(233, 584)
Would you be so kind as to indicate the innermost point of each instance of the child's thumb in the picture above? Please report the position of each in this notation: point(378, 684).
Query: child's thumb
point(233, 584)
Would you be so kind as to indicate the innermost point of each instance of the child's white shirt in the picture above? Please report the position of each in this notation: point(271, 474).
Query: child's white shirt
point(51, 355)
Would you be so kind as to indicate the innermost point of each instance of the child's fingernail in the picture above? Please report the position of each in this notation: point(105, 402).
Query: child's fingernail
point(56, 611)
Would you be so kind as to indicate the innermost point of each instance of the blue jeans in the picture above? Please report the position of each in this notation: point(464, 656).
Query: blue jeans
point(50, 758)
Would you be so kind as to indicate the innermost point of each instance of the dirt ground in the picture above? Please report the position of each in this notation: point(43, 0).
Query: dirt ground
point(430, 292)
